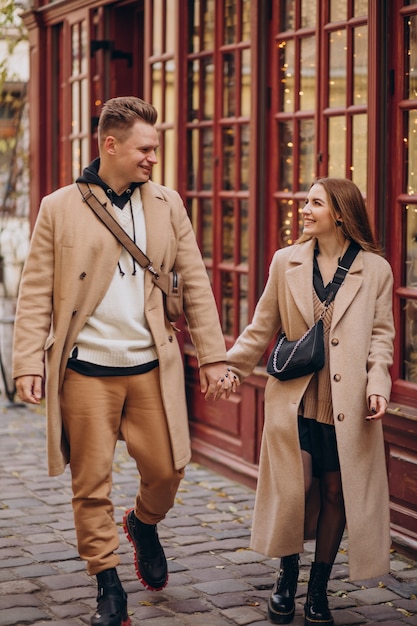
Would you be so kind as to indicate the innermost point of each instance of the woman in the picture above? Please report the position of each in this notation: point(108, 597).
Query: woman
point(322, 464)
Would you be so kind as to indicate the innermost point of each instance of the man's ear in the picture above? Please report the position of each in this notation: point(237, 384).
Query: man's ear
point(110, 144)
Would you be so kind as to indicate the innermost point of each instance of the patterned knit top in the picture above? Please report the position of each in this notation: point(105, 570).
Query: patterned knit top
point(317, 400)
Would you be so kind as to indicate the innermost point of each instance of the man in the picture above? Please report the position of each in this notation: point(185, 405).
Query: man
point(94, 318)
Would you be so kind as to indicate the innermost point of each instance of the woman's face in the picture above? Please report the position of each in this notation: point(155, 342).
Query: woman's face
point(319, 219)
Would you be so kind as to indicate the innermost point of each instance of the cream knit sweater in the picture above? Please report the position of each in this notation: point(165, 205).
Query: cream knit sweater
point(117, 334)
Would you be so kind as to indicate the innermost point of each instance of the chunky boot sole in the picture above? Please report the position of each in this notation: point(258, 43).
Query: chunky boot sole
point(316, 620)
point(145, 583)
point(277, 617)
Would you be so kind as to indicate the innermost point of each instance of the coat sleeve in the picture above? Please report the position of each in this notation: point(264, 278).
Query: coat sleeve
point(34, 304)
point(381, 345)
point(200, 308)
point(255, 339)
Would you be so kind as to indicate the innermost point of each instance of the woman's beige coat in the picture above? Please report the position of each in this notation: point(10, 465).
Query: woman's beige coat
point(361, 346)
point(71, 262)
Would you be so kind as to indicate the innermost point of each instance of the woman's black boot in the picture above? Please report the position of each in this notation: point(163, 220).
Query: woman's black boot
point(316, 608)
point(111, 601)
point(281, 604)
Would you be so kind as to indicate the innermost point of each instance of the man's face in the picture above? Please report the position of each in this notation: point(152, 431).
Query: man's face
point(136, 154)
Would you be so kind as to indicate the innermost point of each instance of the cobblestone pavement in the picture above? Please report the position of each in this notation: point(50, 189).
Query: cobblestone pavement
point(215, 580)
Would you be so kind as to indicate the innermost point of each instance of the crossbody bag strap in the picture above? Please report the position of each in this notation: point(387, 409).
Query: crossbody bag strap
point(114, 226)
point(342, 269)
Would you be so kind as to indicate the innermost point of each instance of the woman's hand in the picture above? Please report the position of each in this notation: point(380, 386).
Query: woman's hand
point(226, 384)
point(377, 406)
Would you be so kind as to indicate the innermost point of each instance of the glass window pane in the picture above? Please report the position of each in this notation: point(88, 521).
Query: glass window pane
point(286, 211)
point(193, 157)
point(170, 8)
point(229, 161)
point(83, 48)
point(245, 96)
point(208, 165)
point(85, 108)
point(157, 27)
point(360, 151)
point(308, 74)
point(228, 231)
point(193, 90)
point(76, 158)
point(307, 170)
point(244, 231)
point(194, 214)
point(246, 34)
point(75, 50)
point(207, 242)
point(169, 159)
point(410, 340)
point(243, 302)
point(337, 69)
point(360, 8)
point(411, 57)
point(360, 67)
point(157, 87)
point(287, 76)
point(244, 156)
point(230, 22)
point(208, 24)
point(169, 92)
point(75, 120)
point(229, 79)
point(338, 10)
point(337, 147)
point(194, 24)
point(208, 88)
point(411, 247)
point(286, 159)
point(287, 15)
point(227, 303)
point(308, 14)
point(85, 153)
point(411, 151)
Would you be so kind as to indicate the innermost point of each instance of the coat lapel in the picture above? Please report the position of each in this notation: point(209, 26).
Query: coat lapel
point(157, 218)
point(299, 279)
point(348, 290)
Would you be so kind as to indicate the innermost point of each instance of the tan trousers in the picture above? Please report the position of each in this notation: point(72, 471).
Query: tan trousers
point(95, 412)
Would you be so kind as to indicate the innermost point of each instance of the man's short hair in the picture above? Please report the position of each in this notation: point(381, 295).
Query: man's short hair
point(118, 115)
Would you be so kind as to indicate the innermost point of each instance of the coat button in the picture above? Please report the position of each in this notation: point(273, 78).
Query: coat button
point(170, 338)
point(335, 341)
point(340, 417)
point(337, 377)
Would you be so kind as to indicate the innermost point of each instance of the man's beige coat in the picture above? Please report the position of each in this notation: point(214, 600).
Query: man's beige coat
point(361, 346)
point(70, 265)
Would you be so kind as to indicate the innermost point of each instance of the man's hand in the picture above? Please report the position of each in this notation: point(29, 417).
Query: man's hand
point(29, 388)
point(217, 379)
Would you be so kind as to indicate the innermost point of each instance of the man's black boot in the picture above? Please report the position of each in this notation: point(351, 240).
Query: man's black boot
point(150, 562)
point(281, 603)
point(316, 608)
point(111, 601)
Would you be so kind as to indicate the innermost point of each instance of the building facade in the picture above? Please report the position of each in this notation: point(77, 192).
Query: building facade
point(256, 98)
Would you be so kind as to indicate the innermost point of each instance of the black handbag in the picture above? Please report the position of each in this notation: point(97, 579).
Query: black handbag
point(292, 359)
point(171, 284)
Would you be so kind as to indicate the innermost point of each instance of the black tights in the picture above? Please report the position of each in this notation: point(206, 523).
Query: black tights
point(332, 520)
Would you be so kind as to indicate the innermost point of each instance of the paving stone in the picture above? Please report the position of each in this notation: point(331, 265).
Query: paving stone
point(21, 615)
point(242, 615)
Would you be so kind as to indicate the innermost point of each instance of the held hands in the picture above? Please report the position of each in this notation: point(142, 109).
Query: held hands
point(217, 379)
point(29, 388)
point(377, 406)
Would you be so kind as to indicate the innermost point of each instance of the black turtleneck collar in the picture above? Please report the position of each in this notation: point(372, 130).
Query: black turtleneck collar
point(90, 175)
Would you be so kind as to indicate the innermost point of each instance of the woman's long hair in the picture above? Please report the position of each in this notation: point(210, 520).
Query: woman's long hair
point(346, 201)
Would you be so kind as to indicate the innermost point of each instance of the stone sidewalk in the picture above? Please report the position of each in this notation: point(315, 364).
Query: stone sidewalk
point(215, 580)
